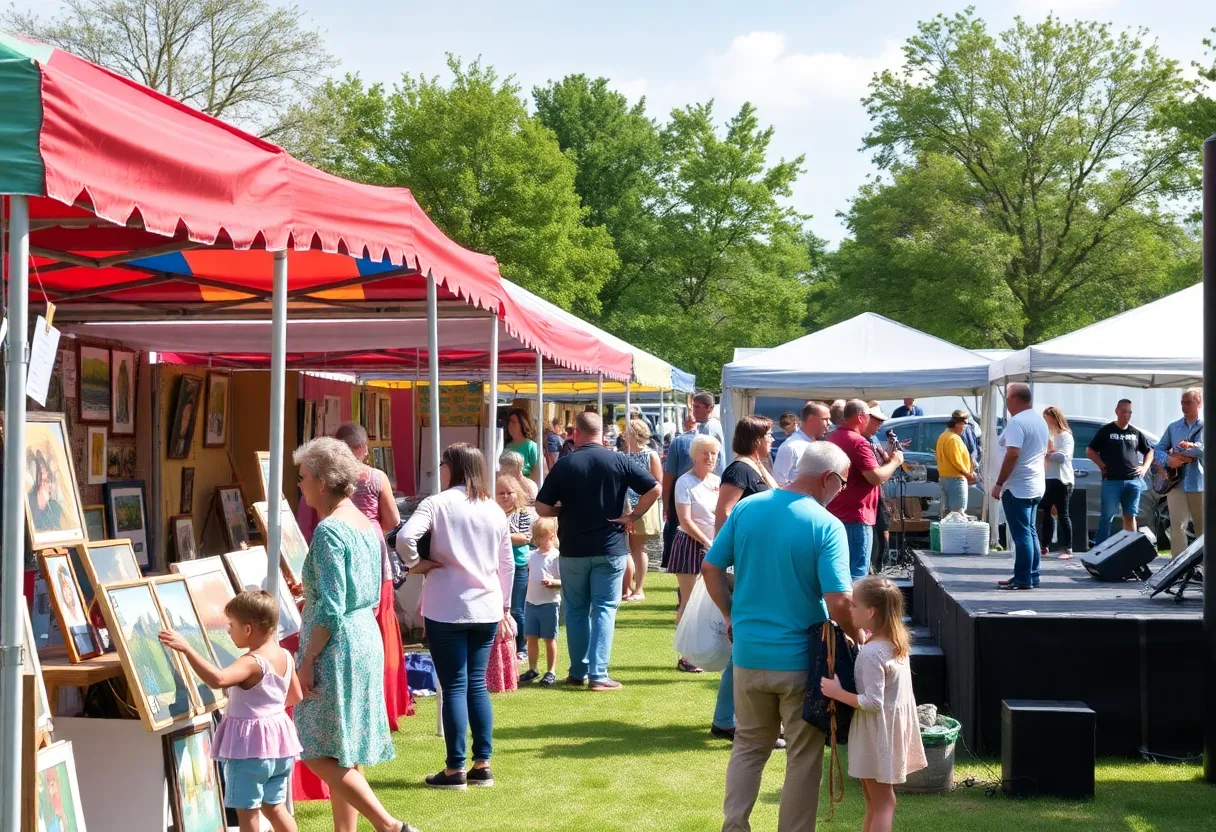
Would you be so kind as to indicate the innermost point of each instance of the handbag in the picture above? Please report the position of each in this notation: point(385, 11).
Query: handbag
point(832, 654)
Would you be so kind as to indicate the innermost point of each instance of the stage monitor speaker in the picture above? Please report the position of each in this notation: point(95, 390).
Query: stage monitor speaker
point(1078, 513)
point(1120, 557)
point(1047, 748)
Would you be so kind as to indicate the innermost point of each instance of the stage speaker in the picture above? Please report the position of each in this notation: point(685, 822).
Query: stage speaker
point(1078, 513)
point(1047, 748)
point(1120, 557)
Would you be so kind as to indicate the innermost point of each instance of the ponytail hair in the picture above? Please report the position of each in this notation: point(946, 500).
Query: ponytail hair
point(887, 601)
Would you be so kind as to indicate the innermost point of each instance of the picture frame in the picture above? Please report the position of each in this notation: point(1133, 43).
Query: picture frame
point(384, 415)
point(127, 472)
point(155, 675)
point(293, 546)
point(248, 569)
point(95, 456)
point(95, 523)
point(186, 503)
point(57, 802)
point(231, 503)
point(185, 411)
point(195, 793)
point(114, 462)
point(54, 515)
point(211, 588)
point(179, 615)
point(80, 637)
point(93, 384)
point(110, 562)
point(333, 415)
point(127, 515)
point(369, 414)
point(122, 393)
point(30, 666)
point(377, 453)
point(185, 547)
point(390, 467)
point(216, 421)
point(308, 422)
point(264, 472)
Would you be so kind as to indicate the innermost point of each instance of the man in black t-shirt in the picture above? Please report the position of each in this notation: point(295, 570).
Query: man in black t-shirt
point(1123, 455)
point(586, 492)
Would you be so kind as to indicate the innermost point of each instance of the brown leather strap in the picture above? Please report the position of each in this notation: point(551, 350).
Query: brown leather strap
point(835, 768)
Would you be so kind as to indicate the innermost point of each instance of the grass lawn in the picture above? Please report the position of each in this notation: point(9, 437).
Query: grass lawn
point(642, 758)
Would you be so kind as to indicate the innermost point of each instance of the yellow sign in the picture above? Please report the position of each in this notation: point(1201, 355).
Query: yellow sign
point(460, 405)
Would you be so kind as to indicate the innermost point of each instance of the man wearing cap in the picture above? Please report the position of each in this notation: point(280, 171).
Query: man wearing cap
point(857, 504)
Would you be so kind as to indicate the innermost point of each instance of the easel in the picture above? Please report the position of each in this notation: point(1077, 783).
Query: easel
point(1192, 575)
point(33, 740)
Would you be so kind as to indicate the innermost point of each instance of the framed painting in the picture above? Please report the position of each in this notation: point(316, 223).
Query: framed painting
point(186, 504)
point(390, 467)
point(215, 422)
point(378, 458)
point(127, 472)
point(194, 781)
point(232, 512)
point(95, 522)
point(114, 462)
point(368, 416)
point(122, 393)
point(308, 422)
point(179, 615)
point(67, 602)
point(30, 666)
point(211, 588)
point(126, 512)
point(95, 455)
point(248, 568)
point(264, 472)
point(181, 428)
point(110, 562)
point(53, 513)
point(57, 792)
point(155, 676)
point(293, 545)
point(184, 545)
point(93, 370)
point(333, 415)
point(384, 414)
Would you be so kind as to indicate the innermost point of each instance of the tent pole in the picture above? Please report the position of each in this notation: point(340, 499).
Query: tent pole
point(628, 404)
point(599, 402)
point(492, 444)
point(432, 342)
point(12, 629)
point(1209, 497)
point(278, 384)
point(540, 419)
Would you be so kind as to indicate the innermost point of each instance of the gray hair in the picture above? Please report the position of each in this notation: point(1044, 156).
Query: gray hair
point(511, 459)
point(1195, 392)
point(332, 462)
point(703, 441)
point(821, 457)
point(353, 434)
point(1021, 392)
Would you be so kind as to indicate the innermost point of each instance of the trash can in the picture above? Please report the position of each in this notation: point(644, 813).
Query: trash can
point(938, 777)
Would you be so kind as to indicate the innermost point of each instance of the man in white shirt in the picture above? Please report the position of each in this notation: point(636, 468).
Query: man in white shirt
point(815, 423)
point(1021, 482)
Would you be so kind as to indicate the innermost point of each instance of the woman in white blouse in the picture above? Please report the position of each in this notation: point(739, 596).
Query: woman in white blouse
point(1060, 480)
point(466, 601)
point(696, 500)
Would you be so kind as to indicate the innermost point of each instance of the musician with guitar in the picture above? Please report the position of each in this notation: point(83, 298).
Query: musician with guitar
point(1178, 472)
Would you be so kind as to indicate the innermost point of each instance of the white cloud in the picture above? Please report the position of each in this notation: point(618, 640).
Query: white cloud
point(1060, 8)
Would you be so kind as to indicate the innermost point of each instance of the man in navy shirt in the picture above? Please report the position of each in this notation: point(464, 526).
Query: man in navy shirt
point(586, 492)
point(908, 408)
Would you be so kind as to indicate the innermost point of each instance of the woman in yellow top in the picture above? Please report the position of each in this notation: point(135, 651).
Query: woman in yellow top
point(954, 471)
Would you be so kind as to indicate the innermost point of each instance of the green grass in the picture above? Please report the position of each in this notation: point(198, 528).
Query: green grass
point(642, 759)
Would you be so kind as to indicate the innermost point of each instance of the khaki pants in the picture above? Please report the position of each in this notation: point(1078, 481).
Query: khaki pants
point(764, 700)
point(1183, 505)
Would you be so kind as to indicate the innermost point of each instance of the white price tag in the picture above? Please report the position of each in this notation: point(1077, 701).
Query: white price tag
point(42, 360)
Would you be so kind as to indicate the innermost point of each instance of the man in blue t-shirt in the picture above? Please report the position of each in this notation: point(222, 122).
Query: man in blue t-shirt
point(908, 408)
point(791, 560)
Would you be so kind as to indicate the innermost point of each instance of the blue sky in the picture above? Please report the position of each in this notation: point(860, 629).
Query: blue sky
point(804, 64)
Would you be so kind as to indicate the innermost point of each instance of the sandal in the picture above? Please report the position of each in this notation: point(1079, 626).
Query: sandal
point(1066, 554)
point(684, 666)
point(638, 596)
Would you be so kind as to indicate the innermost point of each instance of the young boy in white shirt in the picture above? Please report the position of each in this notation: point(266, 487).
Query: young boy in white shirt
point(543, 600)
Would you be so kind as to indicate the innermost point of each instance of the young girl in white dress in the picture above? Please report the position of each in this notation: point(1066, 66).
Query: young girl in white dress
point(884, 737)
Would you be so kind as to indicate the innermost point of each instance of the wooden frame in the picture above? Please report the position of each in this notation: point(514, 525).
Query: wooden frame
point(58, 471)
point(178, 525)
point(248, 569)
point(176, 591)
point(95, 454)
point(209, 789)
point(308, 421)
point(390, 467)
point(377, 457)
point(369, 414)
point(52, 758)
point(93, 413)
point(211, 589)
point(293, 546)
point(333, 414)
point(264, 474)
point(110, 562)
point(156, 710)
point(79, 636)
point(185, 414)
point(187, 496)
point(115, 491)
point(236, 534)
point(218, 409)
point(43, 719)
point(384, 415)
point(123, 380)
point(100, 511)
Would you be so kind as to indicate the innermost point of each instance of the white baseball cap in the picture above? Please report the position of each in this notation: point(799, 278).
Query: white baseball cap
point(876, 412)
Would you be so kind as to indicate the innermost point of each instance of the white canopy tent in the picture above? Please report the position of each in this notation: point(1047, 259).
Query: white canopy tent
point(869, 357)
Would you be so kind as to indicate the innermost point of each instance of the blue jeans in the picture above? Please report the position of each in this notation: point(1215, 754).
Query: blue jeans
point(1020, 515)
point(861, 541)
point(1118, 496)
point(461, 653)
point(591, 588)
point(724, 708)
point(519, 594)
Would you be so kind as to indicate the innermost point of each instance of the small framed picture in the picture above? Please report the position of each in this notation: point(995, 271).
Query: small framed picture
point(390, 467)
point(54, 516)
point(215, 430)
point(183, 536)
point(126, 510)
point(93, 371)
point(232, 512)
point(385, 417)
point(110, 562)
point(95, 446)
point(57, 791)
point(122, 393)
point(264, 472)
point(79, 636)
point(195, 794)
point(187, 500)
point(378, 458)
point(95, 523)
point(181, 429)
point(308, 422)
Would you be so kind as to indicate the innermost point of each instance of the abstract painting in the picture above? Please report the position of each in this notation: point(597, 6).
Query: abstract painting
point(180, 616)
point(211, 589)
point(95, 451)
point(58, 793)
point(94, 384)
point(122, 392)
point(125, 508)
point(215, 424)
point(232, 512)
point(293, 545)
point(81, 640)
point(181, 429)
point(95, 522)
point(194, 781)
point(53, 513)
point(249, 568)
point(183, 536)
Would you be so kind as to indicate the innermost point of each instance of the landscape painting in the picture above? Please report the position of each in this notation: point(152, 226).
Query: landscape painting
point(111, 562)
point(94, 375)
point(194, 782)
point(122, 392)
point(128, 519)
point(211, 589)
point(293, 545)
point(58, 793)
point(249, 569)
point(53, 513)
point(180, 616)
point(95, 522)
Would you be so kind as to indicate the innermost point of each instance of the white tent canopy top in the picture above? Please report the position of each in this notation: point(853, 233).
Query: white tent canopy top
point(1159, 344)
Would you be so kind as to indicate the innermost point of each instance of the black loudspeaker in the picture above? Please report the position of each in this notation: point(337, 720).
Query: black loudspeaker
point(1047, 748)
point(1078, 513)
point(1120, 557)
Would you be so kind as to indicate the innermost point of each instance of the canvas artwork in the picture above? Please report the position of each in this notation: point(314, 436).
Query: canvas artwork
point(70, 611)
point(390, 468)
point(95, 452)
point(293, 545)
point(127, 472)
point(378, 458)
point(183, 536)
point(128, 517)
point(308, 421)
point(333, 415)
point(385, 416)
point(94, 384)
point(95, 522)
point(154, 673)
point(232, 511)
point(30, 666)
point(181, 617)
point(211, 588)
point(248, 568)
point(264, 472)
point(369, 417)
point(187, 500)
point(53, 513)
point(194, 781)
point(181, 428)
point(76, 554)
point(215, 426)
point(122, 392)
point(58, 794)
point(114, 462)
point(111, 562)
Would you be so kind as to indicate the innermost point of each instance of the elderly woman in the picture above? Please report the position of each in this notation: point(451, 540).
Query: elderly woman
point(696, 499)
point(341, 721)
point(637, 448)
point(466, 601)
point(521, 438)
point(512, 464)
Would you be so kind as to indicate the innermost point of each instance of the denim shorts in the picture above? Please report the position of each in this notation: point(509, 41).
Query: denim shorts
point(540, 620)
point(250, 784)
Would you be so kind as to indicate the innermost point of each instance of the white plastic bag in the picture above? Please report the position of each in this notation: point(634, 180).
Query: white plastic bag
point(701, 634)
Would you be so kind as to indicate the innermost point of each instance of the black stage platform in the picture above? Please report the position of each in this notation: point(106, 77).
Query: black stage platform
point(1134, 660)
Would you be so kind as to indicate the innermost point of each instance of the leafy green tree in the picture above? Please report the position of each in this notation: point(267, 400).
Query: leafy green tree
point(1028, 179)
point(1195, 116)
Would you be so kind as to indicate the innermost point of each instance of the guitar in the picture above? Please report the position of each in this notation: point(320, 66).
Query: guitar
point(1165, 479)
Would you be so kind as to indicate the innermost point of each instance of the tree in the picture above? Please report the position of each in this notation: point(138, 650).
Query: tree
point(491, 176)
point(1027, 179)
point(1195, 117)
point(241, 60)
